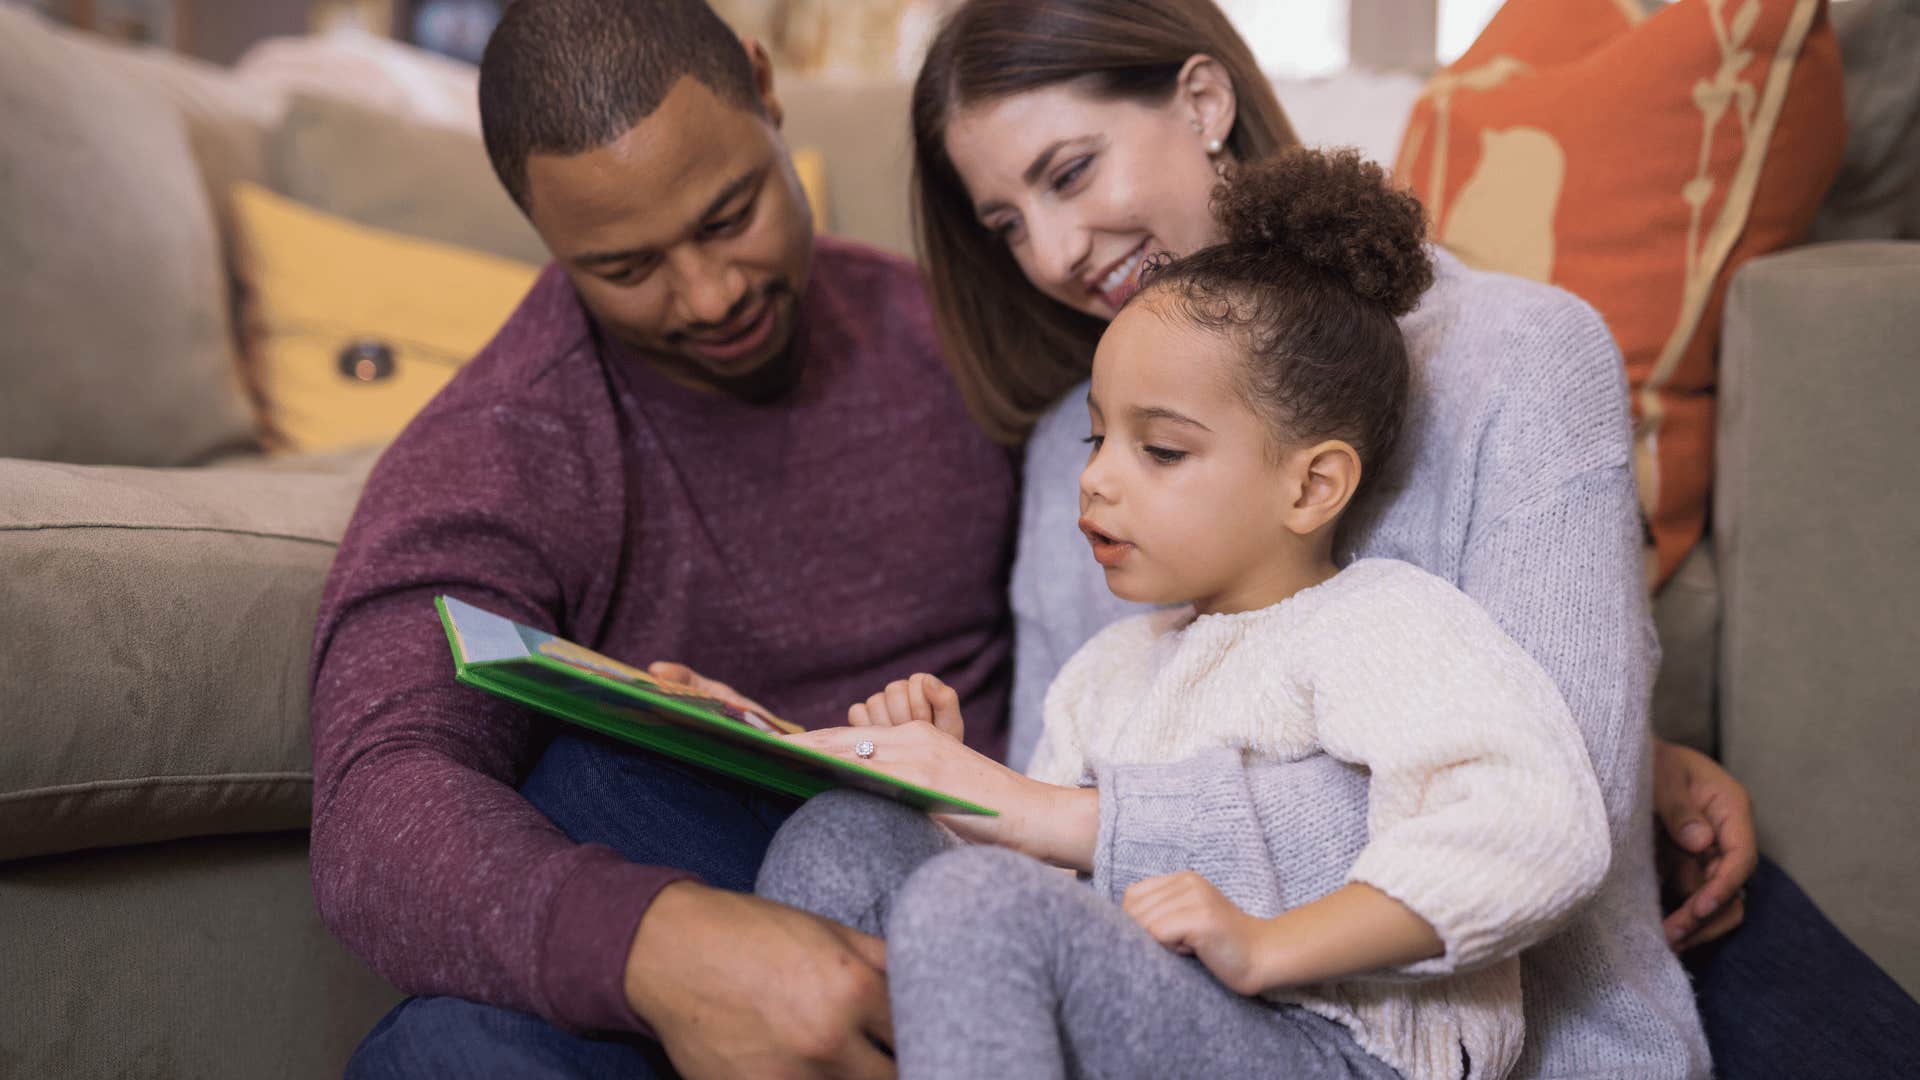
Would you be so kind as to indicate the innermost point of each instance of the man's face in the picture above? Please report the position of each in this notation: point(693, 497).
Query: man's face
point(688, 238)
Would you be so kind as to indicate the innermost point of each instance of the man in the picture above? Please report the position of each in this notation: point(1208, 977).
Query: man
point(704, 437)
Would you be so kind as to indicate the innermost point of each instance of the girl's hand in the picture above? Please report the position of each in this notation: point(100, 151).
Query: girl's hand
point(921, 699)
point(1187, 914)
point(1054, 824)
point(669, 672)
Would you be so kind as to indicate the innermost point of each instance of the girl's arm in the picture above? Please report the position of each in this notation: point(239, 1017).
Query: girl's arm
point(1353, 930)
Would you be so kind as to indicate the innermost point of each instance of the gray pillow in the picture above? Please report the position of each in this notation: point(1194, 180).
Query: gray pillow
point(390, 172)
point(118, 345)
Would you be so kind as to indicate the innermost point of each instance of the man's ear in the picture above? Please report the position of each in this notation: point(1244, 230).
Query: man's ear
point(1207, 91)
point(1326, 476)
point(762, 65)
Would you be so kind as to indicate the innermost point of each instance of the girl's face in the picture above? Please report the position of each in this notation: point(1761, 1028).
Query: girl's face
point(1183, 497)
point(1084, 190)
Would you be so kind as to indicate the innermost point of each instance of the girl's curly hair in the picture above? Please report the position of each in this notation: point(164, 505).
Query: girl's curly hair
point(1321, 256)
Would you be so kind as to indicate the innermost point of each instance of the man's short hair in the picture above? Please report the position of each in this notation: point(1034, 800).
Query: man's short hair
point(567, 76)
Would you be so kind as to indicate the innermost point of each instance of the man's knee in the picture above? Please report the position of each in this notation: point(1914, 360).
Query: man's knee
point(654, 810)
point(446, 1036)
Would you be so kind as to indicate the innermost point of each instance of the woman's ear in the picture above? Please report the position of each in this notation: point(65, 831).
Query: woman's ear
point(1327, 475)
point(1206, 92)
point(762, 65)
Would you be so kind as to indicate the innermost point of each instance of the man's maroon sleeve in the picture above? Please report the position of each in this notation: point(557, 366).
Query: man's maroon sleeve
point(426, 861)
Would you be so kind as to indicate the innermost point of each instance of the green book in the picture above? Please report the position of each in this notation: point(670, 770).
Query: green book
point(582, 687)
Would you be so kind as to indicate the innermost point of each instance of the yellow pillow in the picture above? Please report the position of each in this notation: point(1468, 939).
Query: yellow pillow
point(354, 328)
point(810, 166)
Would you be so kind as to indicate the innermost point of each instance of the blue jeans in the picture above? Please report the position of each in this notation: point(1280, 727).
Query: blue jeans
point(1787, 995)
point(652, 810)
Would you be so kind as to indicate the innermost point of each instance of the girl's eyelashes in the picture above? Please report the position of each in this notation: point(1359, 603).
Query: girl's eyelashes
point(1094, 441)
point(1163, 456)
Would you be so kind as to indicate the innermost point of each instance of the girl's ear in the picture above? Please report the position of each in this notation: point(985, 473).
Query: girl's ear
point(1206, 93)
point(1327, 475)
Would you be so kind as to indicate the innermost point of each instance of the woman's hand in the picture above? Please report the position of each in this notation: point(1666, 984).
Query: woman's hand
point(1707, 843)
point(1187, 914)
point(1053, 824)
point(919, 699)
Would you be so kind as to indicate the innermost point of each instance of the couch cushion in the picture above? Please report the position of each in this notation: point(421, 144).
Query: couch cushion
point(228, 122)
point(154, 652)
point(1686, 617)
point(1877, 194)
point(118, 345)
point(198, 958)
point(382, 169)
point(859, 129)
point(1637, 163)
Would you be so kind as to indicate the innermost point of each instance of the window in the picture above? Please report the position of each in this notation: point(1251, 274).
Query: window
point(1294, 38)
point(1460, 22)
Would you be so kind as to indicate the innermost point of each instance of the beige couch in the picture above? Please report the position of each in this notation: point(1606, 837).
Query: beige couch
point(157, 587)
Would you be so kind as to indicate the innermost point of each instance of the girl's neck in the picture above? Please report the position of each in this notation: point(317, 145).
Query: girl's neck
point(1277, 580)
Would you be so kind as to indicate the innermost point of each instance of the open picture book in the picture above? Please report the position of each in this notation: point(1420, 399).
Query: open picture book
point(582, 687)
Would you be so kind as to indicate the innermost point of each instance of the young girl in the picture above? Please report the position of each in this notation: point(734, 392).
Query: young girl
point(1240, 401)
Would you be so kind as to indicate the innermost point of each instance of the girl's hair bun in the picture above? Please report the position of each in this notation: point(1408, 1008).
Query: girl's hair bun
point(1334, 211)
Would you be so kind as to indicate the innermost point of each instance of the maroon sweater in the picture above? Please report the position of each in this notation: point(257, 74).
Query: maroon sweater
point(807, 551)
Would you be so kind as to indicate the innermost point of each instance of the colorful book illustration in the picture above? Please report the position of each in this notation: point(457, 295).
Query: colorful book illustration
point(580, 686)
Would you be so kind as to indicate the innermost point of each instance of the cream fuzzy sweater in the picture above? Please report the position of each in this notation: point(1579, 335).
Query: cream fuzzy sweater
point(1482, 815)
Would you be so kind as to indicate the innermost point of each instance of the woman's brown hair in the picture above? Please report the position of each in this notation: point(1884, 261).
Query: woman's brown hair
point(1013, 350)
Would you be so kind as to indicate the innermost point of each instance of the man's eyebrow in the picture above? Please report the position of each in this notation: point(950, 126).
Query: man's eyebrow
point(1038, 168)
point(732, 191)
point(1144, 413)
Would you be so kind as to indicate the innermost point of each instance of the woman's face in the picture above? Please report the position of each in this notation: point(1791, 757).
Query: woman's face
point(1084, 190)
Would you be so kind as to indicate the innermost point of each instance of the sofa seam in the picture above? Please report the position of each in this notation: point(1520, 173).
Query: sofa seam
point(256, 533)
point(205, 779)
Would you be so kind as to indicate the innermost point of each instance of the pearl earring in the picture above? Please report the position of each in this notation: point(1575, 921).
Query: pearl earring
point(1214, 146)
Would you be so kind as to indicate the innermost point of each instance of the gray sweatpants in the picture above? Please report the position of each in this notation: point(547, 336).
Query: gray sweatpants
point(1001, 967)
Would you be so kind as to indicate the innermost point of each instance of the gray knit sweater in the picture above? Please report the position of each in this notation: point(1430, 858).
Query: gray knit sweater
point(1514, 482)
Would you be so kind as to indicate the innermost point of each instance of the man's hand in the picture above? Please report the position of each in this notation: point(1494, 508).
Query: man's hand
point(1187, 914)
point(739, 986)
point(1707, 845)
point(918, 699)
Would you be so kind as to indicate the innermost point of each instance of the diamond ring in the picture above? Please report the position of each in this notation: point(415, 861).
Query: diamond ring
point(863, 748)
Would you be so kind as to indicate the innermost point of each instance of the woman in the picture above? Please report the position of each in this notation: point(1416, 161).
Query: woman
point(1059, 145)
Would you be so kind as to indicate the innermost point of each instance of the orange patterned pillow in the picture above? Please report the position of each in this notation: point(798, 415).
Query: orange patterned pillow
point(1636, 161)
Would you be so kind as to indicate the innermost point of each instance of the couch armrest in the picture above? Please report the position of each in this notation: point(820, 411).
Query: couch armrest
point(155, 628)
point(1817, 533)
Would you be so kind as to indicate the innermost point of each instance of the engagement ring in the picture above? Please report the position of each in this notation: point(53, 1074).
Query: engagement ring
point(863, 748)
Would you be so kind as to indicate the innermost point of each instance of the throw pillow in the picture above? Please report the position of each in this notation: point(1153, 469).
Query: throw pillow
point(390, 171)
point(353, 329)
point(118, 346)
point(1637, 161)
